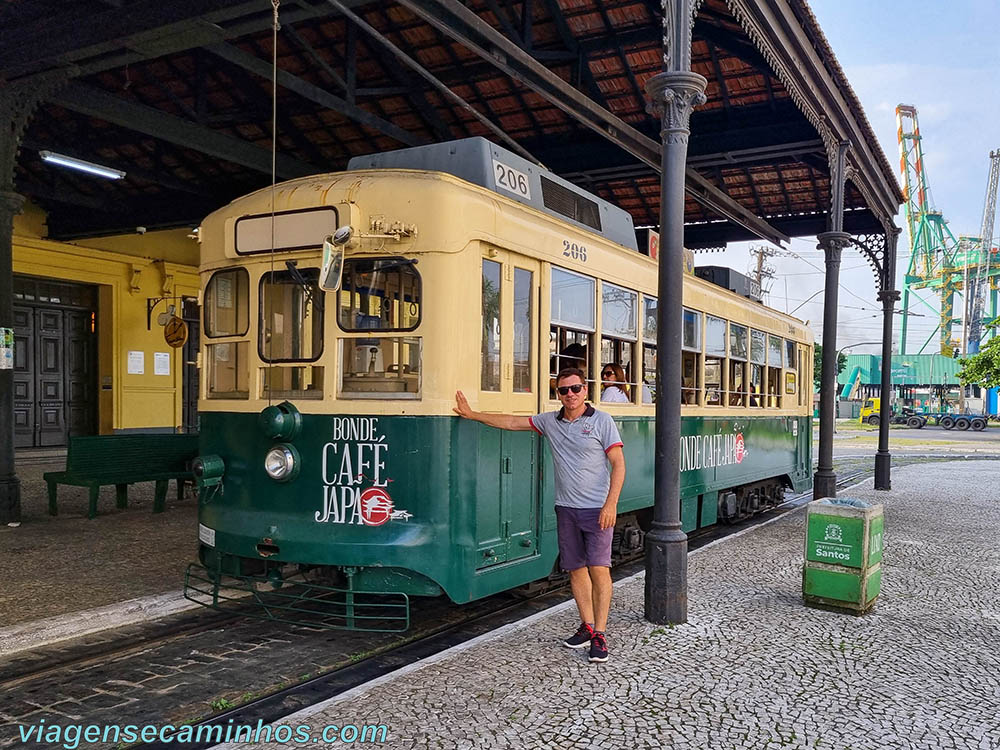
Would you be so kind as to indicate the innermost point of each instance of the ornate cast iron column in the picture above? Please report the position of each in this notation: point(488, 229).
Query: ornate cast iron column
point(825, 480)
point(10, 485)
point(673, 94)
point(831, 243)
point(17, 103)
point(888, 296)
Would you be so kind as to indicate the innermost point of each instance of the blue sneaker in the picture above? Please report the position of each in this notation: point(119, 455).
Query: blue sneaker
point(598, 647)
point(581, 637)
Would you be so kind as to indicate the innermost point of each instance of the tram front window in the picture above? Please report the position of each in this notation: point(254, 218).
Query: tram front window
point(381, 294)
point(380, 367)
point(378, 296)
point(291, 314)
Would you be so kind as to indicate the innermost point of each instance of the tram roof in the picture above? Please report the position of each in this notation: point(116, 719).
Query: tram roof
point(177, 94)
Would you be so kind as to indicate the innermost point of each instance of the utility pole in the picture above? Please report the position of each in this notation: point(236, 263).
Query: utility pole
point(763, 270)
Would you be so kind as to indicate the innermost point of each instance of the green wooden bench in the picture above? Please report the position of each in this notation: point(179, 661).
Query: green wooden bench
point(122, 460)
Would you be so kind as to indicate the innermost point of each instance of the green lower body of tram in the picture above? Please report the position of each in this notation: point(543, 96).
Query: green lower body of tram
point(422, 506)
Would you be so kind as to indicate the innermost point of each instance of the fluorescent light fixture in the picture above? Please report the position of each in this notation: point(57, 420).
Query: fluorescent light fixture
point(84, 166)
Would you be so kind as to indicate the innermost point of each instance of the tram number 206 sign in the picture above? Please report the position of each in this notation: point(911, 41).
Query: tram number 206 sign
point(175, 332)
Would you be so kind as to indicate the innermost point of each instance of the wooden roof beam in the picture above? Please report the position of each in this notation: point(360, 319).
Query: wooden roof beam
point(455, 20)
point(314, 93)
point(99, 104)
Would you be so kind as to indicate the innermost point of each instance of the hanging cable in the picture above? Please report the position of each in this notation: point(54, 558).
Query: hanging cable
point(269, 329)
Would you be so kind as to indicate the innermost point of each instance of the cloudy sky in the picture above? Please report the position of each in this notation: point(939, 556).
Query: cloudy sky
point(944, 59)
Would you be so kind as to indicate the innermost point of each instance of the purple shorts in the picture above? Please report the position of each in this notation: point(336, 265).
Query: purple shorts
point(581, 540)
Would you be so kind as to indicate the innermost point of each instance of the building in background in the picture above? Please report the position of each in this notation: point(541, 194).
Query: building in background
point(90, 354)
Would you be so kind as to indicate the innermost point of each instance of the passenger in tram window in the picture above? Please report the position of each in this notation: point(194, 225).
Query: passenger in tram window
point(589, 473)
point(614, 386)
point(574, 355)
point(689, 395)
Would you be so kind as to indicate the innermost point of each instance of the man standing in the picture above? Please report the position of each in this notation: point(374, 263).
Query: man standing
point(589, 472)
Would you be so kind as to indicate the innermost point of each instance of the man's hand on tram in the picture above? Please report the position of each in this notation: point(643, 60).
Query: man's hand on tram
point(462, 409)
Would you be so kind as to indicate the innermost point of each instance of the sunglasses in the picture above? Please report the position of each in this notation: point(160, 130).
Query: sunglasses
point(564, 389)
point(608, 374)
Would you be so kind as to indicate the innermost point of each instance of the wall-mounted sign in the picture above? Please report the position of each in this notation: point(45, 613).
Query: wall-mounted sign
point(6, 348)
point(161, 363)
point(136, 363)
point(175, 332)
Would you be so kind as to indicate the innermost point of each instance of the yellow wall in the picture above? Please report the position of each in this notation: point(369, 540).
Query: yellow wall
point(125, 281)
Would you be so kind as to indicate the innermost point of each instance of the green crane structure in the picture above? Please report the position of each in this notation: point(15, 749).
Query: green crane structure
point(940, 262)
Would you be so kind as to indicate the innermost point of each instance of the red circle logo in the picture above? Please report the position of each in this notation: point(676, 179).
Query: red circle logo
point(739, 450)
point(376, 506)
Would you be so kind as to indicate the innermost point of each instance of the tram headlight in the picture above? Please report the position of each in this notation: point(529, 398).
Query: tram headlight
point(282, 463)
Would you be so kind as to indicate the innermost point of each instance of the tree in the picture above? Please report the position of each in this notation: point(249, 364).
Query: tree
point(983, 368)
point(818, 364)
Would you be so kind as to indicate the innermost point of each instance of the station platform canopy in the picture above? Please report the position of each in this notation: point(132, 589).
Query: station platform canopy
point(177, 95)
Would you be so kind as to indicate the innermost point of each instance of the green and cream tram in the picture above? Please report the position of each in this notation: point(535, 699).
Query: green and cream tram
point(328, 442)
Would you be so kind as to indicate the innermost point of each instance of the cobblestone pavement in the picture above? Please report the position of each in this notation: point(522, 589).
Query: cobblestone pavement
point(753, 667)
point(67, 563)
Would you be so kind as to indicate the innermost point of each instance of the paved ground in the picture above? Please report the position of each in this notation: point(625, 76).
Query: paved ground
point(67, 563)
point(753, 667)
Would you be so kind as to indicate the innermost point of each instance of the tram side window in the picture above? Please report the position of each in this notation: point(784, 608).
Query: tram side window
point(690, 356)
point(802, 375)
point(227, 313)
point(572, 327)
point(758, 361)
point(738, 351)
point(524, 314)
point(715, 359)
point(227, 303)
point(291, 314)
point(228, 374)
point(774, 357)
point(649, 350)
point(489, 379)
point(619, 328)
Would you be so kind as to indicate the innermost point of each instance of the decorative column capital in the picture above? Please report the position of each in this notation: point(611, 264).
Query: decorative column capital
point(10, 203)
point(832, 243)
point(888, 297)
point(672, 96)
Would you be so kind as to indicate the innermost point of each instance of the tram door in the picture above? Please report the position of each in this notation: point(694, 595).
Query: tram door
point(508, 492)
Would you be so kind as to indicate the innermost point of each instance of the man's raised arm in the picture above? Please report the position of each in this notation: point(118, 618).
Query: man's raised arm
point(502, 421)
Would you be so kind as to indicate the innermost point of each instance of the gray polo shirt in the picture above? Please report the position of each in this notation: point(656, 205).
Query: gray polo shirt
point(579, 455)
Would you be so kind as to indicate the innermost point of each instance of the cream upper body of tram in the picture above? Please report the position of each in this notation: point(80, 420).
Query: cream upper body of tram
point(478, 292)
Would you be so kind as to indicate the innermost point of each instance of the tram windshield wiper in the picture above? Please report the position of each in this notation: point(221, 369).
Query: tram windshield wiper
point(388, 265)
point(298, 278)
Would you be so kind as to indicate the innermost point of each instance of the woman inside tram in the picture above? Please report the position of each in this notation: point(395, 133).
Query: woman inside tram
point(614, 387)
